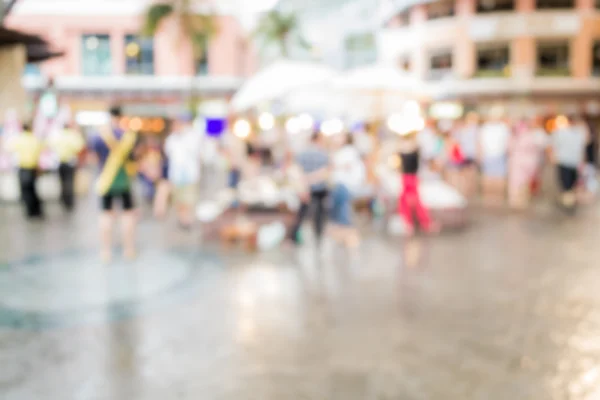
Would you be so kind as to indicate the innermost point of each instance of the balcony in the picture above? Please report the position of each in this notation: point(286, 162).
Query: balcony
point(140, 84)
point(555, 72)
point(492, 73)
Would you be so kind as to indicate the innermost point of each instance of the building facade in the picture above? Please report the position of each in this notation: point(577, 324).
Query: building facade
point(107, 58)
point(495, 48)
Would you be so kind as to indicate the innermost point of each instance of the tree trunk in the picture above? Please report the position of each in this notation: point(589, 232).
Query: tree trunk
point(283, 46)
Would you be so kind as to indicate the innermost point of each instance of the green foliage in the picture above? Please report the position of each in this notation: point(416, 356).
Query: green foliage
point(198, 28)
point(154, 16)
point(277, 28)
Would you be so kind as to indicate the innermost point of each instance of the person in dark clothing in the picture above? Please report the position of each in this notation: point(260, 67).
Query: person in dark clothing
point(67, 144)
point(27, 148)
point(591, 157)
point(314, 162)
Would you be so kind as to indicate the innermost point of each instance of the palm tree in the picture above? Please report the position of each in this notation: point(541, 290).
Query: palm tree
point(196, 27)
point(277, 28)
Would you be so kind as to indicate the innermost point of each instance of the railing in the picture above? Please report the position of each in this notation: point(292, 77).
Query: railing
point(557, 72)
point(492, 73)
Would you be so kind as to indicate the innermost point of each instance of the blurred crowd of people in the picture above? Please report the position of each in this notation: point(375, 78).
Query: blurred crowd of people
point(501, 159)
point(505, 158)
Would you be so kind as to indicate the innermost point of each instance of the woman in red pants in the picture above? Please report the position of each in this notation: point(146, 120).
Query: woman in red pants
point(409, 197)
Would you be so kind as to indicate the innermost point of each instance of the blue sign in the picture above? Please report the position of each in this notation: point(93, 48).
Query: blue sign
point(215, 126)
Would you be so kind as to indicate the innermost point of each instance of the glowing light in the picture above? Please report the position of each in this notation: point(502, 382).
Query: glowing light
point(395, 122)
point(305, 121)
point(332, 127)
point(92, 43)
point(446, 110)
point(242, 128)
point(266, 121)
point(561, 122)
point(158, 125)
point(92, 118)
point(132, 50)
point(405, 124)
point(412, 107)
point(135, 124)
point(147, 125)
point(293, 126)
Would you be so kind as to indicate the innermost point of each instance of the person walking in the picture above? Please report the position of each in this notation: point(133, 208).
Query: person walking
point(410, 198)
point(183, 148)
point(314, 163)
point(114, 149)
point(67, 143)
point(467, 138)
point(27, 148)
point(526, 150)
point(568, 154)
point(493, 154)
point(349, 174)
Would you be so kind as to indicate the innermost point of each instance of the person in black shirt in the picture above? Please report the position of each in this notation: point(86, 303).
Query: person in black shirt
point(409, 196)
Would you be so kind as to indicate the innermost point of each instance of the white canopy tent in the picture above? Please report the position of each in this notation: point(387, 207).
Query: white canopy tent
point(278, 80)
point(377, 90)
point(364, 93)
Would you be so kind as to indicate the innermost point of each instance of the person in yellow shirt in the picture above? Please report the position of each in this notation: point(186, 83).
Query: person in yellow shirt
point(27, 148)
point(67, 144)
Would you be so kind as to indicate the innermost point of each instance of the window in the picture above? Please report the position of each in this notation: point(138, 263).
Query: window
point(139, 55)
point(202, 58)
point(95, 54)
point(360, 50)
point(484, 6)
point(596, 59)
point(552, 4)
point(440, 64)
point(553, 59)
point(493, 60)
point(440, 10)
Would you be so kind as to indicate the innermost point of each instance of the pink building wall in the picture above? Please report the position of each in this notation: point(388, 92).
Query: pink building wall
point(230, 51)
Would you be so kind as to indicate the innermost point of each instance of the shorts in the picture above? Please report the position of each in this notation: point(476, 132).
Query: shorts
point(126, 199)
point(568, 177)
point(495, 167)
point(185, 195)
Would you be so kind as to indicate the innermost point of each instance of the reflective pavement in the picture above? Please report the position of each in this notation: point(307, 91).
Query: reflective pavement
point(507, 309)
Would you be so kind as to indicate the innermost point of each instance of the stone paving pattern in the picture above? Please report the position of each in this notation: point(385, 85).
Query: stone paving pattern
point(507, 309)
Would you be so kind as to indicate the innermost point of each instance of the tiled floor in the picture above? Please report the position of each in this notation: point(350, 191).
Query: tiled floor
point(507, 309)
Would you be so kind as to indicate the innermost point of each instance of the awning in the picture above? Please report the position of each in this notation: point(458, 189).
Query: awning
point(38, 49)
